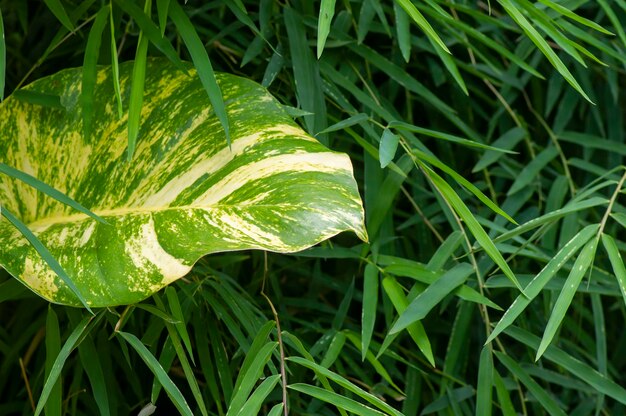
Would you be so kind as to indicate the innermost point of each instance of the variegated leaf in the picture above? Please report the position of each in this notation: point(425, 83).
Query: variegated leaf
point(185, 194)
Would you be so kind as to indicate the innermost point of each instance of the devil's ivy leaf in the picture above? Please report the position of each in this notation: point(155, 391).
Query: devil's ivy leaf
point(185, 194)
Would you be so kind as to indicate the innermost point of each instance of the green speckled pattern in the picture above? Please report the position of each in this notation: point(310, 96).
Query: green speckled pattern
point(185, 194)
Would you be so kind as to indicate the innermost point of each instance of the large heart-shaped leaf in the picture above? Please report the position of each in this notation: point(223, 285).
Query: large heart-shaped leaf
point(185, 194)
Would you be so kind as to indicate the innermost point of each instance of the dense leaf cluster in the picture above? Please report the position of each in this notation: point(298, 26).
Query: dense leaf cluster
point(488, 143)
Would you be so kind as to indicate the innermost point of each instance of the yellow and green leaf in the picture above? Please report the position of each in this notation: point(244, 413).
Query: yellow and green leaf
point(185, 194)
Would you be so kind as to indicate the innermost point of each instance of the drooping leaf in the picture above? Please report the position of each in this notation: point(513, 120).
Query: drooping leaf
point(185, 195)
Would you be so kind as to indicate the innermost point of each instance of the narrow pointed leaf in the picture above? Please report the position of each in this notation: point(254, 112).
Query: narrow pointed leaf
point(56, 7)
point(187, 194)
point(370, 303)
point(388, 146)
point(474, 226)
point(3, 59)
point(172, 391)
point(616, 262)
point(59, 362)
point(346, 384)
point(203, 64)
point(582, 264)
point(92, 52)
point(542, 278)
point(336, 399)
point(533, 387)
point(254, 403)
point(423, 24)
point(327, 11)
point(429, 298)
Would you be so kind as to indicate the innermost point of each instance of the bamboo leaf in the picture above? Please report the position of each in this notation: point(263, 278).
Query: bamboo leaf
point(203, 64)
point(533, 387)
point(327, 11)
point(56, 7)
point(542, 278)
point(616, 262)
point(387, 148)
point(423, 24)
point(473, 225)
point(3, 59)
point(55, 371)
point(172, 391)
point(429, 298)
point(335, 399)
point(92, 52)
point(582, 264)
point(370, 303)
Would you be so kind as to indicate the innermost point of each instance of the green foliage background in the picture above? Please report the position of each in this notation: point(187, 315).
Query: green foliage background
point(543, 80)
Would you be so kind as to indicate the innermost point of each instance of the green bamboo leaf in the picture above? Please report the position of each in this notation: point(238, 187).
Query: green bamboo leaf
point(530, 171)
point(568, 13)
point(464, 183)
point(387, 148)
point(115, 66)
point(543, 46)
point(400, 125)
point(445, 251)
point(138, 80)
point(551, 217)
point(163, 7)
point(533, 387)
point(616, 262)
point(187, 186)
point(47, 189)
point(403, 31)
point(71, 343)
point(429, 298)
point(470, 221)
point(504, 398)
point(38, 98)
point(415, 329)
point(260, 339)
point(56, 7)
point(177, 313)
point(542, 278)
point(3, 59)
point(370, 305)
point(92, 52)
point(254, 403)
point(350, 121)
point(307, 75)
point(581, 370)
point(505, 142)
point(46, 256)
point(354, 338)
point(582, 264)
point(423, 24)
point(484, 389)
point(152, 32)
point(327, 11)
point(202, 63)
point(92, 364)
point(153, 364)
point(54, 404)
point(417, 271)
point(276, 410)
point(335, 399)
point(334, 349)
point(345, 383)
point(246, 380)
point(187, 370)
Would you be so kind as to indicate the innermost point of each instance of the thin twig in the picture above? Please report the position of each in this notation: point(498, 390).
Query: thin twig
point(28, 390)
point(283, 373)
